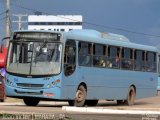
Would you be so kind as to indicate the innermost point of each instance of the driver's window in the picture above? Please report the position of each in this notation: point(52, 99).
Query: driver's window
point(70, 57)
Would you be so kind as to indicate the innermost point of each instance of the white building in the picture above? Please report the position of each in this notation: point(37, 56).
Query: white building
point(56, 23)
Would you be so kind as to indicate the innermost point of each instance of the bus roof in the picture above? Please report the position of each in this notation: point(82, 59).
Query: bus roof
point(106, 38)
point(90, 35)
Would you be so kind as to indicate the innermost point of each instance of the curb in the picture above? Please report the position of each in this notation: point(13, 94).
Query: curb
point(108, 111)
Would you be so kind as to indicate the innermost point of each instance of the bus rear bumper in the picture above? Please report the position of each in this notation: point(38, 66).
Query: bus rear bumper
point(51, 93)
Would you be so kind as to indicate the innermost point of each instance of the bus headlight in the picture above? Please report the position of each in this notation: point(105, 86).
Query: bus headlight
point(53, 83)
point(8, 82)
point(49, 86)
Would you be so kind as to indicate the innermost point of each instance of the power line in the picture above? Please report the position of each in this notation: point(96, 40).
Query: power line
point(34, 10)
point(121, 29)
point(89, 23)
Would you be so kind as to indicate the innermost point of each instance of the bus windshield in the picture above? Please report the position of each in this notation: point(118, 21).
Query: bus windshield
point(34, 57)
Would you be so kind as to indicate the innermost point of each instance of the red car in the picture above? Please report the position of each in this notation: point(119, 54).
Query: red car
point(2, 89)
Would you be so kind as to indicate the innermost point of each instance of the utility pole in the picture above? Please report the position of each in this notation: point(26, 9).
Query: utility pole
point(7, 22)
point(20, 20)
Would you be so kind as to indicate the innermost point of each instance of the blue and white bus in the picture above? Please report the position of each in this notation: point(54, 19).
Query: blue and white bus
point(79, 66)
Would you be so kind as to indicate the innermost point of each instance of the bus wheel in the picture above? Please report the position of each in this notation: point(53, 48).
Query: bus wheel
point(80, 96)
point(131, 96)
point(31, 101)
point(91, 102)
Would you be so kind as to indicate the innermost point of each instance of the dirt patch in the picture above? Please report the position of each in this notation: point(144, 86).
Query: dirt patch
point(13, 100)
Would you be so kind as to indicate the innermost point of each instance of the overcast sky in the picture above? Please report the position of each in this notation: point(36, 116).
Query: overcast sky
point(116, 16)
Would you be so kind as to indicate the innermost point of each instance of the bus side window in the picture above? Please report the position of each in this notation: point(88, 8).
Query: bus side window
point(127, 60)
point(99, 55)
point(139, 63)
point(70, 57)
point(85, 54)
point(114, 57)
point(151, 62)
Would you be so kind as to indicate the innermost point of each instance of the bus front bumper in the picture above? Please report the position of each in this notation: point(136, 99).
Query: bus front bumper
point(50, 93)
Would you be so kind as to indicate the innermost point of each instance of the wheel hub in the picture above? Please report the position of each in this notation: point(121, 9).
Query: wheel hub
point(79, 96)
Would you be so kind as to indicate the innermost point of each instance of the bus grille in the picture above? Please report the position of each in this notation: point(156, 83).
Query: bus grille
point(30, 85)
point(31, 93)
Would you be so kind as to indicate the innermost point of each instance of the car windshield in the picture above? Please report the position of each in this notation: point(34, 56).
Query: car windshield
point(34, 58)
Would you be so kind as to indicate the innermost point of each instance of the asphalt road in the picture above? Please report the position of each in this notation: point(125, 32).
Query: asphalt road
point(43, 110)
point(53, 110)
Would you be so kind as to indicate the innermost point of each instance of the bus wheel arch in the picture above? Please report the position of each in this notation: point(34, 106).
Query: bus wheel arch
point(80, 96)
point(131, 95)
point(83, 84)
point(133, 87)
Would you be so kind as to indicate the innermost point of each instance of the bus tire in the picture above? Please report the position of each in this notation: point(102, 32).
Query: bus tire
point(91, 102)
point(131, 96)
point(31, 101)
point(80, 97)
